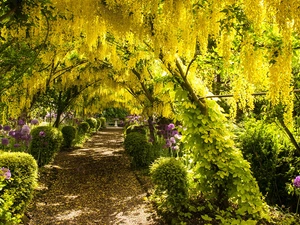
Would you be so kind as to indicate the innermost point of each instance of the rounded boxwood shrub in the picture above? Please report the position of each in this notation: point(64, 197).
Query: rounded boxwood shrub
point(83, 127)
point(270, 154)
point(46, 142)
point(137, 146)
point(18, 190)
point(171, 184)
point(69, 134)
point(92, 122)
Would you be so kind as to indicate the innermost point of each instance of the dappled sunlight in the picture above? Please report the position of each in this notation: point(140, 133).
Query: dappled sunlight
point(70, 214)
point(137, 215)
point(71, 196)
point(53, 167)
point(44, 204)
point(79, 152)
point(95, 184)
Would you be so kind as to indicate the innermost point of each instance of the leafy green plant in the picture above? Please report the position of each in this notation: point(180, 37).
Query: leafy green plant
point(171, 186)
point(17, 191)
point(270, 154)
point(46, 142)
point(221, 175)
point(137, 146)
point(83, 128)
point(92, 122)
point(69, 134)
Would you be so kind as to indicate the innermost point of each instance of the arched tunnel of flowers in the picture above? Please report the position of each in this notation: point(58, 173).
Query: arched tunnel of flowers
point(205, 90)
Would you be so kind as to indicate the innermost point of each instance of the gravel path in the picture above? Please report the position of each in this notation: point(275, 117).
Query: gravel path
point(91, 185)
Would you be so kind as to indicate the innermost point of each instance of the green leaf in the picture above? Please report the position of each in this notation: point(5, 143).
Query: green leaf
point(206, 217)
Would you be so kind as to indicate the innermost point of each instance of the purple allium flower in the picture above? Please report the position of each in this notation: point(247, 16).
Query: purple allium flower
point(17, 134)
point(168, 143)
point(17, 145)
point(171, 126)
point(174, 132)
point(25, 129)
point(34, 122)
point(7, 128)
point(297, 182)
point(5, 141)
point(21, 122)
point(175, 148)
point(26, 137)
point(11, 133)
point(172, 140)
point(6, 173)
point(178, 136)
point(42, 134)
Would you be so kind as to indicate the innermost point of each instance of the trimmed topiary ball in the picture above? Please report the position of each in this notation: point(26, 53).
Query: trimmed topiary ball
point(17, 191)
point(83, 127)
point(137, 146)
point(46, 142)
point(171, 181)
point(92, 122)
point(69, 134)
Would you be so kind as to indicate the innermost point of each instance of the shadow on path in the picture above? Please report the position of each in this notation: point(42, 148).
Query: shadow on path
point(92, 185)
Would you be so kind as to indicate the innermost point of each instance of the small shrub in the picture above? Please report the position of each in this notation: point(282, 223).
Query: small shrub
point(46, 142)
point(137, 146)
point(83, 127)
point(171, 185)
point(69, 134)
point(103, 122)
point(18, 191)
point(269, 152)
point(92, 122)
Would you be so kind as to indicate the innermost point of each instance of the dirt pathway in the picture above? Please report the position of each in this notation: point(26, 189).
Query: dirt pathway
point(92, 185)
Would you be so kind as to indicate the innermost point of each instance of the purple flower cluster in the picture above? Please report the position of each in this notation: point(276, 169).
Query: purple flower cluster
point(4, 141)
point(21, 134)
point(6, 128)
point(170, 134)
point(5, 172)
point(131, 119)
point(21, 122)
point(297, 182)
point(34, 122)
